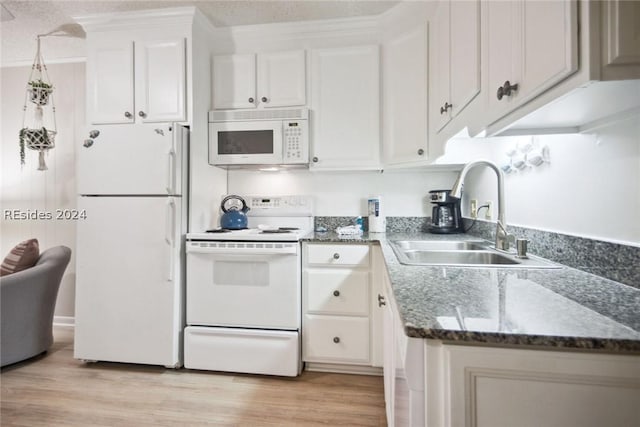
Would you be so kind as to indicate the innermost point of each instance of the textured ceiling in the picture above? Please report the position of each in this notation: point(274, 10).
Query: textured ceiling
point(33, 17)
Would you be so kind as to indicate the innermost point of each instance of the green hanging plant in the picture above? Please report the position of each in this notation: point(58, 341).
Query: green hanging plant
point(40, 84)
point(22, 155)
point(35, 139)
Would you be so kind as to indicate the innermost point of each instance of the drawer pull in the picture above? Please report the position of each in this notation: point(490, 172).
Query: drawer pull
point(336, 340)
point(381, 301)
point(336, 293)
point(336, 255)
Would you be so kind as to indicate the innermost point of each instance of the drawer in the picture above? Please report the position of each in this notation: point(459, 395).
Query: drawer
point(318, 254)
point(335, 339)
point(336, 291)
point(252, 351)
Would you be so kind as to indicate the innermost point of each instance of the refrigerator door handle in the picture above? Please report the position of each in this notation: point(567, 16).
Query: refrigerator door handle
point(170, 235)
point(171, 172)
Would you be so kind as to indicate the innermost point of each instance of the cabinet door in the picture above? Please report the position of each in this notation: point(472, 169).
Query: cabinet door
point(464, 18)
point(502, 27)
point(281, 79)
point(530, 44)
point(389, 362)
point(621, 32)
point(549, 45)
point(234, 81)
point(110, 89)
point(345, 103)
point(441, 68)
point(405, 106)
point(160, 81)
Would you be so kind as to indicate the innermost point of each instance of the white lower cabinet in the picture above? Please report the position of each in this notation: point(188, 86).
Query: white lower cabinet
point(506, 387)
point(438, 384)
point(336, 306)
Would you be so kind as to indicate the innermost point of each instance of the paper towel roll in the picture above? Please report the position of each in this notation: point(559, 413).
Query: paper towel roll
point(377, 223)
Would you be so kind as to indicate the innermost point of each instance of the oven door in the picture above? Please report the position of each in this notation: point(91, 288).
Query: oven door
point(245, 143)
point(244, 284)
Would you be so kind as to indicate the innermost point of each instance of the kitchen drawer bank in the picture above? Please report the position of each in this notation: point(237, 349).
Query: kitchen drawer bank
point(535, 308)
point(338, 308)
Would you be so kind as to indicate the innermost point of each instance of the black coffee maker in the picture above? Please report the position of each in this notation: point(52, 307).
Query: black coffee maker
point(446, 217)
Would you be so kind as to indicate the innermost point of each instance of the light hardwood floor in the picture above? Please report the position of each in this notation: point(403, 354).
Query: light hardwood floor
point(57, 390)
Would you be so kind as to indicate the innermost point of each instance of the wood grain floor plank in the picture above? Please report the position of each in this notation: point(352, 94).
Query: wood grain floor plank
point(57, 390)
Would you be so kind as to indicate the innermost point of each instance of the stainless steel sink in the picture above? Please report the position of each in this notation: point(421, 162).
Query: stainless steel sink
point(425, 245)
point(461, 254)
point(458, 257)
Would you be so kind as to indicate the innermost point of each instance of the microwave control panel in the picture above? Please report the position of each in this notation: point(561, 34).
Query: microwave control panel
point(295, 148)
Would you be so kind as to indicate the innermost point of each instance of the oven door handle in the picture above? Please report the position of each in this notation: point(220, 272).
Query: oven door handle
point(287, 250)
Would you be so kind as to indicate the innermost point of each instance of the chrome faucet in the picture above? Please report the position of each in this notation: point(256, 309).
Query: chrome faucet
point(502, 237)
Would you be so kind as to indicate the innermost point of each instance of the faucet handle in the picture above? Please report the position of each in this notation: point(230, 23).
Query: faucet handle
point(521, 248)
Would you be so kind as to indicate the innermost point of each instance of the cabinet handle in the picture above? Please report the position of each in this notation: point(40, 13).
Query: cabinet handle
point(381, 301)
point(506, 89)
point(336, 293)
point(264, 99)
point(142, 114)
point(445, 108)
point(127, 114)
point(315, 160)
point(420, 152)
point(251, 100)
point(336, 255)
point(336, 340)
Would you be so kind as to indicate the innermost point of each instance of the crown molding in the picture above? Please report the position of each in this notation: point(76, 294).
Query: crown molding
point(340, 27)
point(142, 19)
point(52, 61)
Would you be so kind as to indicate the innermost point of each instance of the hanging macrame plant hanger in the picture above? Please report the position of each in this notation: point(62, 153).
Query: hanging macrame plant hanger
point(37, 133)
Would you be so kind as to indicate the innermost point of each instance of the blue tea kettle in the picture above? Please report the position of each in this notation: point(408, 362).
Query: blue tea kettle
point(234, 216)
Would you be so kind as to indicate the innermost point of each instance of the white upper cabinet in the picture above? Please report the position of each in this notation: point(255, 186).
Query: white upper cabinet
point(133, 81)
point(405, 93)
point(529, 47)
point(345, 108)
point(282, 79)
point(455, 79)
point(234, 81)
point(265, 80)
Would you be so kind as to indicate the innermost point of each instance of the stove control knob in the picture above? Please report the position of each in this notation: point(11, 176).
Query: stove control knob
point(336, 255)
point(336, 293)
point(336, 340)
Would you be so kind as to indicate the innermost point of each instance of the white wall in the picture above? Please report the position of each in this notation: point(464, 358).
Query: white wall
point(404, 193)
point(27, 189)
point(590, 187)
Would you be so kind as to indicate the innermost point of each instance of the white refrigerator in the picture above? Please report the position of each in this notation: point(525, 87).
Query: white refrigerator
point(132, 186)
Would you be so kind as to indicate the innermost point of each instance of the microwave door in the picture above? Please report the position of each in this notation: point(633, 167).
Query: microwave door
point(245, 143)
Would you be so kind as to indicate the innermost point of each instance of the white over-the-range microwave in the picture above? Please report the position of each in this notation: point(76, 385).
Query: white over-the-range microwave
point(259, 137)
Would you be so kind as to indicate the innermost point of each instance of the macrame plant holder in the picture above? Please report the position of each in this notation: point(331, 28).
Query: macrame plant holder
point(37, 133)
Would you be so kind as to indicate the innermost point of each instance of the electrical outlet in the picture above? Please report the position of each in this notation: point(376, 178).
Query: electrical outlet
point(473, 207)
point(488, 214)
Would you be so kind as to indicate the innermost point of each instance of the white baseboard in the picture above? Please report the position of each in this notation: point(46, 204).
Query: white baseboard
point(64, 321)
point(342, 369)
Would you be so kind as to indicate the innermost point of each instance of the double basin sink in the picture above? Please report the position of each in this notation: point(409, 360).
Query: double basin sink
point(470, 253)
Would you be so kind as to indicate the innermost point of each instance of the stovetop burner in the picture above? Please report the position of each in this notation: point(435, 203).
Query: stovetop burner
point(223, 230)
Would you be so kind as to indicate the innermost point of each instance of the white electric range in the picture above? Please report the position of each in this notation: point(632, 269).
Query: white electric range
point(244, 290)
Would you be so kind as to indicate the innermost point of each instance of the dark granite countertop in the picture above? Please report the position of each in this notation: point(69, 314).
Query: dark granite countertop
point(550, 308)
